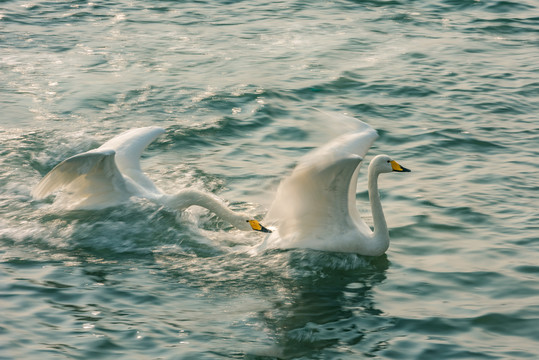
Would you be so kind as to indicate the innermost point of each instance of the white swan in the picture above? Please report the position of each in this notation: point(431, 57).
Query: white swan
point(111, 174)
point(316, 206)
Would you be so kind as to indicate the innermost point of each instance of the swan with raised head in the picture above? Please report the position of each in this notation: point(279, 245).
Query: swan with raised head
point(111, 174)
point(315, 207)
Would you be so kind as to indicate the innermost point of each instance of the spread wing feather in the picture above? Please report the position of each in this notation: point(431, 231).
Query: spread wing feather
point(322, 187)
point(94, 172)
point(104, 176)
point(129, 147)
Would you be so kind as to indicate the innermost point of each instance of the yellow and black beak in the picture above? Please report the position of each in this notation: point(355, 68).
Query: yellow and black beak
point(255, 225)
point(396, 167)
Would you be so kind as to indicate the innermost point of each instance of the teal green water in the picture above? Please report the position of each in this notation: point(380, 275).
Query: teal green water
point(451, 86)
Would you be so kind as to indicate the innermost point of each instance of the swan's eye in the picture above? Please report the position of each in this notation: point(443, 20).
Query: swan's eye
point(388, 161)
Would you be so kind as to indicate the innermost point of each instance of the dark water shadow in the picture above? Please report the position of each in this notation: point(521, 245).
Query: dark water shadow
point(327, 304)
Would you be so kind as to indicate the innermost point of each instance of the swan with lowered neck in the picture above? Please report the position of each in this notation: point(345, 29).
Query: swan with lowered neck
point(316, 206)
point(111, 174)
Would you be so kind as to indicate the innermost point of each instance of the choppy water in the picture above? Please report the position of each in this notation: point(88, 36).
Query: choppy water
point(452, 87)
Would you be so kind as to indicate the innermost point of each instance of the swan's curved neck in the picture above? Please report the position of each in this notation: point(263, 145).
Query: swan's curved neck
point(187, 198)
point(381, 232)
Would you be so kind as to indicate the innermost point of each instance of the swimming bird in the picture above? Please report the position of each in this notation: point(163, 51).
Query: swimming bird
point(111, 174)
point(315, 207)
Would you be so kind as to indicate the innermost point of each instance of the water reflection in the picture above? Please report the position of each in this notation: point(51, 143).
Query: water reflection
point(328, 304)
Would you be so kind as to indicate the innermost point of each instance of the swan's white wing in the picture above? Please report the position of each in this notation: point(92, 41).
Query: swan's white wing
point(128, 147)
point(319, 196)
point(314, 200)
point(355, 143)
point(91, 179)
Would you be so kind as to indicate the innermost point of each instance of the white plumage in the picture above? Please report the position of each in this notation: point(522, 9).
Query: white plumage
point(111, 174)
point(315, 207)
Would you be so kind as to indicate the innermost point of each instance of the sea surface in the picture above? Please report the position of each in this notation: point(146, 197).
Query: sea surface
point(243, 89)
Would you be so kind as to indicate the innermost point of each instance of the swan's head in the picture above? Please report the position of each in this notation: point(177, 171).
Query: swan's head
point(256, 226)
point(385, 164)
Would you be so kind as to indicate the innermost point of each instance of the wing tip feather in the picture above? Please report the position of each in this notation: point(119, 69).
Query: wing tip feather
point(68, 170)
point(41, 190)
